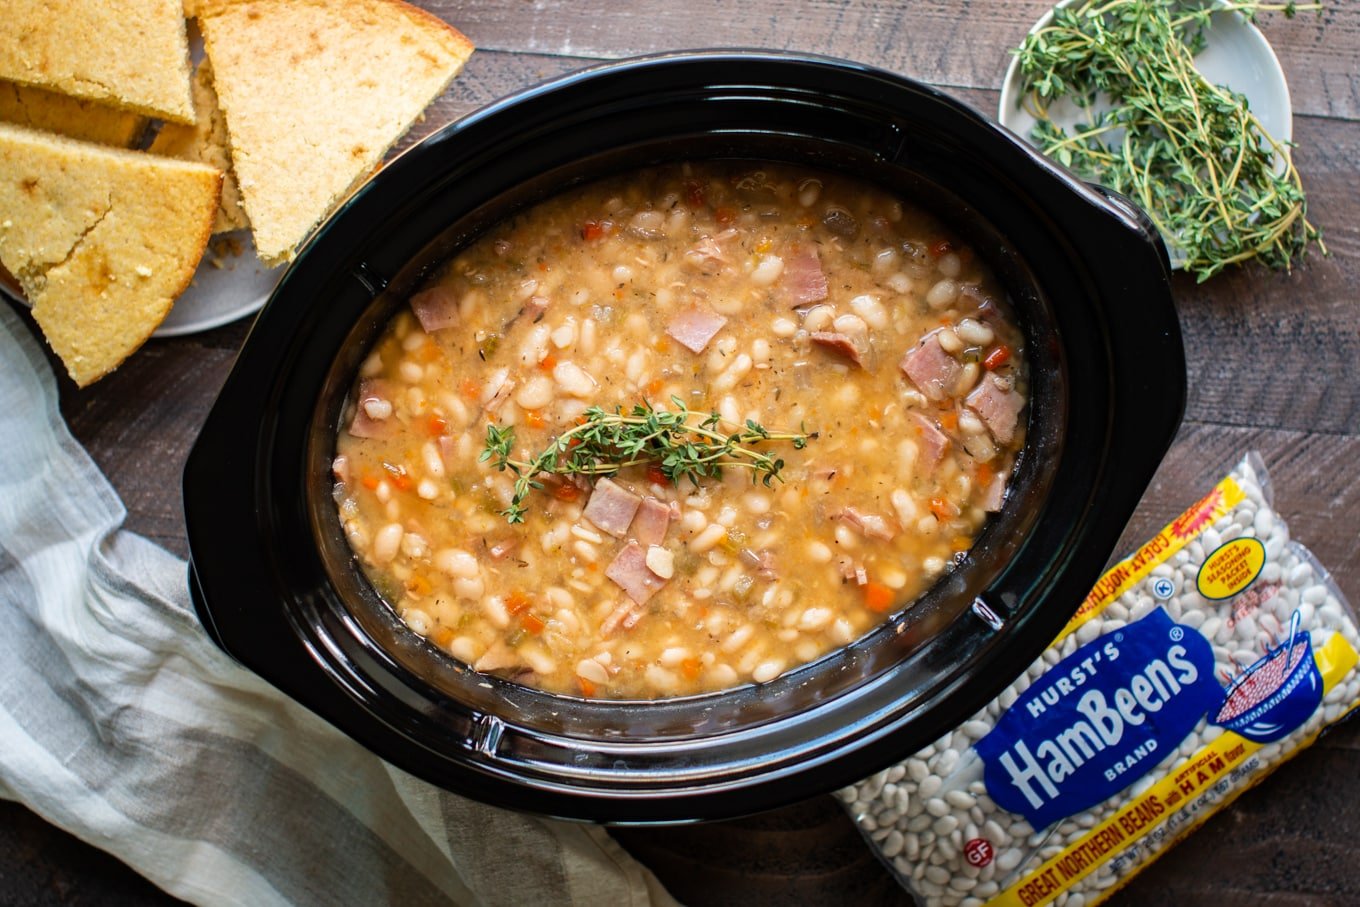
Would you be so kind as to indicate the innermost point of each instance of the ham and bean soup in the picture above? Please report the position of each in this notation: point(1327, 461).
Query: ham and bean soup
point(682, 430)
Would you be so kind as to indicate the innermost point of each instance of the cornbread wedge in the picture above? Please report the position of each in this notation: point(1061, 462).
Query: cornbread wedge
point(206, 142)
point(314, 94)
point(24, 105)
point(102, 240)
point(130, 54)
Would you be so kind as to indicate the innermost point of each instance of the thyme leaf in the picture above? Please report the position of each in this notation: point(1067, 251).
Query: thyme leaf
point(682, 443)
point(1190, 153)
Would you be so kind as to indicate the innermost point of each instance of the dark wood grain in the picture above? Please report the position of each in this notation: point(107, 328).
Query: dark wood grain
point(957, 43)
point(1272, 365)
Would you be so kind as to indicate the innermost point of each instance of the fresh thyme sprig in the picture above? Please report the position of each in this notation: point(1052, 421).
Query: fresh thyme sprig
point(1198, 161)
point(681, 443)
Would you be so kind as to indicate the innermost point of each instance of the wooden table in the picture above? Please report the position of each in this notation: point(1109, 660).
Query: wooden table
point(1274, 361)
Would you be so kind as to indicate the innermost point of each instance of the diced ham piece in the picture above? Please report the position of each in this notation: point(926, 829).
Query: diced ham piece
point(707, 255)
point(803, 282)
point(497, 390)
point(841, 343)
point(994, 494)
point(998, 405)
point(625, 615)
point(930, 368)
point(651, 523)
point(611, 507)
point(504, 548)
point(629, 569)
point(933, 441)
point(695, 327)
point(435, 308)
point(869, 525)
point(447, 448)
point(762, 562)
point(375, 397)
point(534, 308)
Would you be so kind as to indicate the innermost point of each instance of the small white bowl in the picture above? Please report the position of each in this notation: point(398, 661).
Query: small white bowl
point(1236, 54)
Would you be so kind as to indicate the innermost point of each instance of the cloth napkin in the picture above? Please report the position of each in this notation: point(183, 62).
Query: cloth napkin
point(123, 724)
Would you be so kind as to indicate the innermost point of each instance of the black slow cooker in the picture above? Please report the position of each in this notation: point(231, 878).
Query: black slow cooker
point(276, 586)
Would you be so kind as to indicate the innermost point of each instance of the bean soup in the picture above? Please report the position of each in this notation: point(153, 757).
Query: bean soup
point(682, 429)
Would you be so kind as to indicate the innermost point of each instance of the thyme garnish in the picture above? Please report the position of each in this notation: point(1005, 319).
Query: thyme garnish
point(1198, 161)
point(674, 441)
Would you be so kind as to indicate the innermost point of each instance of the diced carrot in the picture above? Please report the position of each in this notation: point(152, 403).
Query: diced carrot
point(566, 492)
point(436, 425)
point(400, 480)
point(592, 230)
point(654, 387)
point(877, 597)
point(516, 602)
point(543, 266)
point(549, 363)
point(470, 389)
point(429, 352)
point(949, 421)
point(532, 622)
point(941, 247)
point(983, 475)
point(618, 293)
point(534, 419)
point(690, 668)
point(725, 215)
point(960, 543)
point(419, 585)
point(587, 688)
point(764, 246)
point(442, 637)
point(369, 481)
point(656, 476)
point(998, 357)
point(943, 510)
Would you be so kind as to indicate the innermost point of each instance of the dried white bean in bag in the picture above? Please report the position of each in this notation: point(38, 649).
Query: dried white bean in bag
point(1197, 665)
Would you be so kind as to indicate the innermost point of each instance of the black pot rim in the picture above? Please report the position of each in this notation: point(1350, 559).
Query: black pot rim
point(271, 598)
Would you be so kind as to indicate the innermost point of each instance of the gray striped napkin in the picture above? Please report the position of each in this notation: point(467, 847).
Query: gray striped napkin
point(123, 724)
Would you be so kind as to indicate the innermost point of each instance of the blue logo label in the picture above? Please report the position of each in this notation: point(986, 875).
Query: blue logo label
point(1100, 719)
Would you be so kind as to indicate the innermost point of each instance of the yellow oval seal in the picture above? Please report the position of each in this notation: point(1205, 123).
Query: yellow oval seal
point(1231, 568)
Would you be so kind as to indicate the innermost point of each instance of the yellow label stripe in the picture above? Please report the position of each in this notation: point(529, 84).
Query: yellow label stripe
point(1120, 578)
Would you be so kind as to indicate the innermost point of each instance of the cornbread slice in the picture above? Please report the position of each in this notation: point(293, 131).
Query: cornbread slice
point(102, 240)
point(314, 93)
point(206, 142)
point(25, 105)
point(131, 54)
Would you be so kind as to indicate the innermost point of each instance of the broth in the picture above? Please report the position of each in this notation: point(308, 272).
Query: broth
point(672, 309)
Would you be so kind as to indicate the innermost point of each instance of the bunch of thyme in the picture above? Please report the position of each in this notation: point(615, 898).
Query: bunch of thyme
point(1191, 154)
point(672, 440)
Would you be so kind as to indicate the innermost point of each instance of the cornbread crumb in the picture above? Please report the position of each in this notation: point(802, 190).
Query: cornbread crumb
point(314, 94)
point(130, 54)
point(101, 240)
point(25, 105)
point(206, 142)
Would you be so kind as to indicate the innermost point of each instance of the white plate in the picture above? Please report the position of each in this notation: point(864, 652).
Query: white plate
point(220, 295)
point(217, 295)
point(1236, 54)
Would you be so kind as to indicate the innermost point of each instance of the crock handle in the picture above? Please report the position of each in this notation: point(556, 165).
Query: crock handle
point(1129, 207)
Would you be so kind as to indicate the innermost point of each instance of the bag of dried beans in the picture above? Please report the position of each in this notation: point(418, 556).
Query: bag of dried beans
point(1198, 664)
